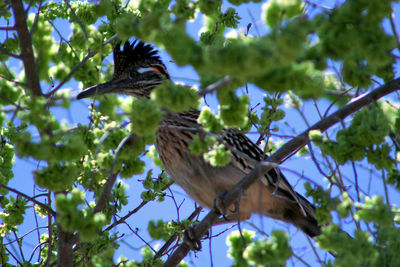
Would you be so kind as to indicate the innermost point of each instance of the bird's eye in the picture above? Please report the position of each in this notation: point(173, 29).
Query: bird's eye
point(133, 73)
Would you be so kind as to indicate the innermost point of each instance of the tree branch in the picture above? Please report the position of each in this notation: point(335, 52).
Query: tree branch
point(141, 205)
point(5, 51)
point(25, 43)
point(215, 86)
point(175, 236)
point(42, 205)
point(7, 28)
point(65, 242)
point(278, 157)
point(101, 203)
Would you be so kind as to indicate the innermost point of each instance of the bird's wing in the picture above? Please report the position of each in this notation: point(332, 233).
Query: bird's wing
point(246, 155)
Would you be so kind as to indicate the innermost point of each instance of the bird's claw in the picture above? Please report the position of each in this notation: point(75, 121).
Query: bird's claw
point(220, 207)
point(219, 203)
point(190, 236)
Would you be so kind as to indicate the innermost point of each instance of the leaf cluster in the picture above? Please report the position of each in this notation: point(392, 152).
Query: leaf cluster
point(293, 58)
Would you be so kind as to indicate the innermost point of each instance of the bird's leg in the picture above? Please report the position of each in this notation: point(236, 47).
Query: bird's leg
point(235, 215)
point(232, 219)
point(219, 205)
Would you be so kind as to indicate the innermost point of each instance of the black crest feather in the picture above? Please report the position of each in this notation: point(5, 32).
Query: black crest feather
point(133, 53)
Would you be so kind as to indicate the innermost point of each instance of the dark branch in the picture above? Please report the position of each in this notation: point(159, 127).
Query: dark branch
point(5, 51)
point(6, 28)
point(101, 203)
point(175, 236)
point(36, 20)
point(25, 43)
point(65, 243)
point(141, 205)
point(278, 157)
point(81, 24)
point(42, 205)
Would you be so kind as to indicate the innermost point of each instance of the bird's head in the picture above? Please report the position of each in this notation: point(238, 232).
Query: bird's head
point(137, 70)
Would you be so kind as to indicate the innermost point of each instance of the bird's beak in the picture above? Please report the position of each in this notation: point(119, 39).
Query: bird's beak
point(102, 89)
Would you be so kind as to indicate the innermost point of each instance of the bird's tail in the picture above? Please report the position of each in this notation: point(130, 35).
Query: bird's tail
point(288, 205)
point(305, 219)
point(299, 212)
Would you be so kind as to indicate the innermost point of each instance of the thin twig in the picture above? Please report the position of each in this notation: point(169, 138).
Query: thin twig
point(101, 203)
point(10, 101)
point(336, 100)
point(29, 6)
point(164, 248)
point(356, 181)
point(144, 202)
point(44, 206)
point(19, 246)
point(315, 251)
point(76, 68)
point(14, 256)
point(50, 232)
point(37, 223)
point(215, 86)
point(5, 51)
point(36, 20)
point(254, 22)
point(394, 30)
point(35, 248)
point(141, 238)
point(6, 28)
point(385, 187)
point(22, 236)
point(81, 24)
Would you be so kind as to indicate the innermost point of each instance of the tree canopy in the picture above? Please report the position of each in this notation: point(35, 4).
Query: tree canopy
point(313, 83)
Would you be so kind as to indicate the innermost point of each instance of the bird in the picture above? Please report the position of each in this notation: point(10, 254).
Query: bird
point(138, 69)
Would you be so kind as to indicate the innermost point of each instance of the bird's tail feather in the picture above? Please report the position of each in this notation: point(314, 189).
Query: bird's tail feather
point(306, 222)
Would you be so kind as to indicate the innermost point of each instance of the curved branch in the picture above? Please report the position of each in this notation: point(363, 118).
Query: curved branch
point(102, 202)
point(42, 205)
point(5, 51)
point(278, 157)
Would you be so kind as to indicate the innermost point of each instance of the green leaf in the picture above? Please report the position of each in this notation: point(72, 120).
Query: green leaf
point(146, 116)
point(276, 11)
point(276, 250)
point(176, 98)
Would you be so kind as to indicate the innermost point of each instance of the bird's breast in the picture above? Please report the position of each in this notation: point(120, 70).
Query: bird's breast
point(199, 179)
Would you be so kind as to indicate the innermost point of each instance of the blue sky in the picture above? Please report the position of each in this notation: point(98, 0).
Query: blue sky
point(130, 245)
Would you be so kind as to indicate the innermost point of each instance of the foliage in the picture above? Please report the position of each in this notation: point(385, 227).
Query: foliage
point(176, 98)
point(306, 59)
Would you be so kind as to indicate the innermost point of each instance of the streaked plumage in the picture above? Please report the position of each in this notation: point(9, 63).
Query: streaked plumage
point(138, 69)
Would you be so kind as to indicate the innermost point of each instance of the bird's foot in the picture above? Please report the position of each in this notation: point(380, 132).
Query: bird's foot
point(189, 235)
point(219, 205)
point(227, 214)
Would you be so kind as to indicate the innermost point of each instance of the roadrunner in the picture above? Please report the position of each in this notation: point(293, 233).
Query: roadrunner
point(137, 71)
